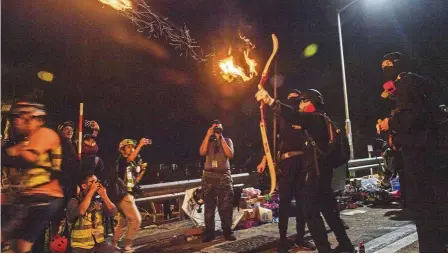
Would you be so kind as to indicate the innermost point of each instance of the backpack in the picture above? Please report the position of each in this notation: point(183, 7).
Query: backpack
point(338, 152)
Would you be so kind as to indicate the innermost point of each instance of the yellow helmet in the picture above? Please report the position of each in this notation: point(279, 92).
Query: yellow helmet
point(126, 142)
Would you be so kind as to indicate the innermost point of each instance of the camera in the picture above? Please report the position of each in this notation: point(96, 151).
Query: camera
point(104, 183)
point(97, 198)
point(137, 191)
point(88, 123)
point(217, 130)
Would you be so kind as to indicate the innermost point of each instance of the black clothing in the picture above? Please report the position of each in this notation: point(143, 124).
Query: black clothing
point(299, 178)
point(425, 164)
point(70, 168)
point(119, 190)
point(313, 186)
point(291, 139)
point(93, 165)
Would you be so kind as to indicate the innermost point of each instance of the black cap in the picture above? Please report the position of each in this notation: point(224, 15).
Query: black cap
point(313, 95)
point(394, 57)
point(216, 121)
point(397, 59)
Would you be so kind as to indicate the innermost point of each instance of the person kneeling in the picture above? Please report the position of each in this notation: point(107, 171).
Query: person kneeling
point(86, 212)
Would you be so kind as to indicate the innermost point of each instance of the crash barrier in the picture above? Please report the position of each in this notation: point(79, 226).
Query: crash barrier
point(176, 190)
point(366, 163)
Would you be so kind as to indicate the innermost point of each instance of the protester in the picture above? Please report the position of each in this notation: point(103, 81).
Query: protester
point(315, 175)
point(417, 132)
point(291, 147)
point(217, 185)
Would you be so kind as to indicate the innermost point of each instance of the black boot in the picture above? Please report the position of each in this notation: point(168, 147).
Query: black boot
point(283, 246)
point(208, 236)
point(230, 237)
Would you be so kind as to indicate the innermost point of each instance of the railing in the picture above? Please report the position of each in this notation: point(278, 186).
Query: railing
point(371, 163)
point(176, 190)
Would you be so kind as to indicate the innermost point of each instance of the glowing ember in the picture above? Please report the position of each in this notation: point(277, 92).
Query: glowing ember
point(120, 5)
point(231, 71)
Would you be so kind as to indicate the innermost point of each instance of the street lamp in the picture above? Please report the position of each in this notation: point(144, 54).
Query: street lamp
point(348, 125)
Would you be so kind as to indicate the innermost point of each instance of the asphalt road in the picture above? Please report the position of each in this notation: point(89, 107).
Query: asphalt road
point(381, 228)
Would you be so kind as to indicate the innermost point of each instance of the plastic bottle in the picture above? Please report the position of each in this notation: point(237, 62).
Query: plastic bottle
point(395, 183)
point(361, 247)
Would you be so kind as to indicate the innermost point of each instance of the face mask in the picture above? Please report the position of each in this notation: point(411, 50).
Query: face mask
point(390, 73)
point(293, 103)
point(310, 108)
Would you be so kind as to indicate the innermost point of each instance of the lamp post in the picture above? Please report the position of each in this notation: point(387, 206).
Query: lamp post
point(348, 125)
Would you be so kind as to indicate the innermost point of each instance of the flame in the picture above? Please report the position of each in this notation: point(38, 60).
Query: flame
point(120, 5)
point(230, 71)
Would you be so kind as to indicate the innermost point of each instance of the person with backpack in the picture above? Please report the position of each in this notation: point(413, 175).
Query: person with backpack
point(321, 153)
point(291, 147)
point(418, 131)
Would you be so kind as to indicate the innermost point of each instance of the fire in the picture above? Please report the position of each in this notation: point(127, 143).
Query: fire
point(120, 5)
point(231, 71)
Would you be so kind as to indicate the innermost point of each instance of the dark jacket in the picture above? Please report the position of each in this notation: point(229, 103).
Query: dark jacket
point(314, 123)
point(412, 121)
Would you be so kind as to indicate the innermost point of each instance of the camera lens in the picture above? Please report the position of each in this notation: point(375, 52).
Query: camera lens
point(217, 130)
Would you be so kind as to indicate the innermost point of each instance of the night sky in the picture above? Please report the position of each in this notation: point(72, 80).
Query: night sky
point(135, 86)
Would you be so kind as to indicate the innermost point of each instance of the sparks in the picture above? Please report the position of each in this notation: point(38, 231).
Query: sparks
point(154, 26)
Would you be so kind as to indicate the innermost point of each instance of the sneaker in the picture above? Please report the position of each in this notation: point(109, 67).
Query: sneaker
point(230, 237)
point(208, 238)
point(307, 246)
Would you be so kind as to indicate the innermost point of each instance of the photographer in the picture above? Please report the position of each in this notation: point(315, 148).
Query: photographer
point(86, 212)
point(130, 170)
point(217, 181)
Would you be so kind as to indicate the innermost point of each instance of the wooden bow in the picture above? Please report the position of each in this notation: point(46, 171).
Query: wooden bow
point(264, 136)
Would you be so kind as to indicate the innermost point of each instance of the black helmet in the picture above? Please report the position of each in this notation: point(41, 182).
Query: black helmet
point(313, 95)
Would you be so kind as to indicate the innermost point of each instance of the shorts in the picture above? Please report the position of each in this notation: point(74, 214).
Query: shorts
point(27, 217)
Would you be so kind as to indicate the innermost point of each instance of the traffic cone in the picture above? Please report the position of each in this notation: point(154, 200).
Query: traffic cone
point(361, 248)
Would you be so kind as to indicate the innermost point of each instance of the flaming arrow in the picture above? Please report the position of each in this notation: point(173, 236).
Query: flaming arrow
point(264, 136)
